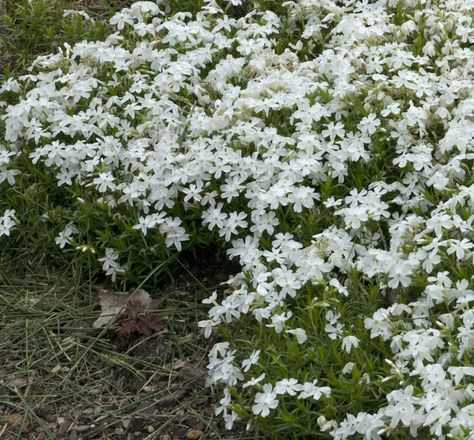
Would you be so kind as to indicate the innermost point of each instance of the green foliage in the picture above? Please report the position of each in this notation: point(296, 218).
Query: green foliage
point(29, 28)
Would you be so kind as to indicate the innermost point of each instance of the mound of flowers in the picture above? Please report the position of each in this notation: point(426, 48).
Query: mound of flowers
point(329, 149)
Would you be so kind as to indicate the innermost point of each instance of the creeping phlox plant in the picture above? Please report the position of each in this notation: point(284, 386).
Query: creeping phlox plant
point(329, 149)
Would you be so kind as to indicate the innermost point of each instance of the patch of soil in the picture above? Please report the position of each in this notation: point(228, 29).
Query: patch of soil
point(152, 388)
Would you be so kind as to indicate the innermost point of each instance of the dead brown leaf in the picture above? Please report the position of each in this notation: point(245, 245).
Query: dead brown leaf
point(137, 320)
point(113, 304)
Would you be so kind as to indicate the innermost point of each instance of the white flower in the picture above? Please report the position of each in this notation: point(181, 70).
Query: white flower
point(253, 359)
point(369, 124)
point(65, 236)
point(208, 326)
point(347, 369)
point(334, 130)
point(229, 419)
point(460, 372)
point(287, 386)
point(104, 182)
point(110, 264)
point(265, 401)
point(300, 334)
point(212, 299)
point(326, 425)
point(253, 381)
point(278, 321)
point(349, 342)
point(310, 390)
point(401, 406)
point(7, 222)
point(84, 14)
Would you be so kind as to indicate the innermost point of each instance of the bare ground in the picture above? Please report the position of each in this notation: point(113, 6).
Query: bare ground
point(62, 379)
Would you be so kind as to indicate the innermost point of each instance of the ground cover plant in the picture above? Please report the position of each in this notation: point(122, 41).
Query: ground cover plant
point(325, 146)
point(32, 28)
point(59, 377)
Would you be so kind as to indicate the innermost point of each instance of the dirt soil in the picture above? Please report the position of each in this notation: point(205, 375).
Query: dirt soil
point(97, 387)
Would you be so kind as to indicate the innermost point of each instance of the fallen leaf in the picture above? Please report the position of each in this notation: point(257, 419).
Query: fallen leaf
point(149, 324)
point(113, 304)
point(137, 319)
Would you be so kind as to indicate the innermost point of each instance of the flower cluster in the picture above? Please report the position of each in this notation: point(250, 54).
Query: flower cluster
point(7, 222)
point(329, 149)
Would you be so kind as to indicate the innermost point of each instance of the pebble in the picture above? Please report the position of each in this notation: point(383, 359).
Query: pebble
point(194, 434)
point(14, 419)
point(81, 428)
point(126, 423)
point(19, 382)
point(63, 425)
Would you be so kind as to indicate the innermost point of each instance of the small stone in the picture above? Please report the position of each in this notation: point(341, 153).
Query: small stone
point(19, 382)
point(194, 434)
point(88, 411)
point(14, 419)
point(145, 407)
point(56, 369)
point(126, 423)
point(147, 388)
point(81, 428)
point(165, 437)
point(177, 364)
point(150, 429)
point(63, 425)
